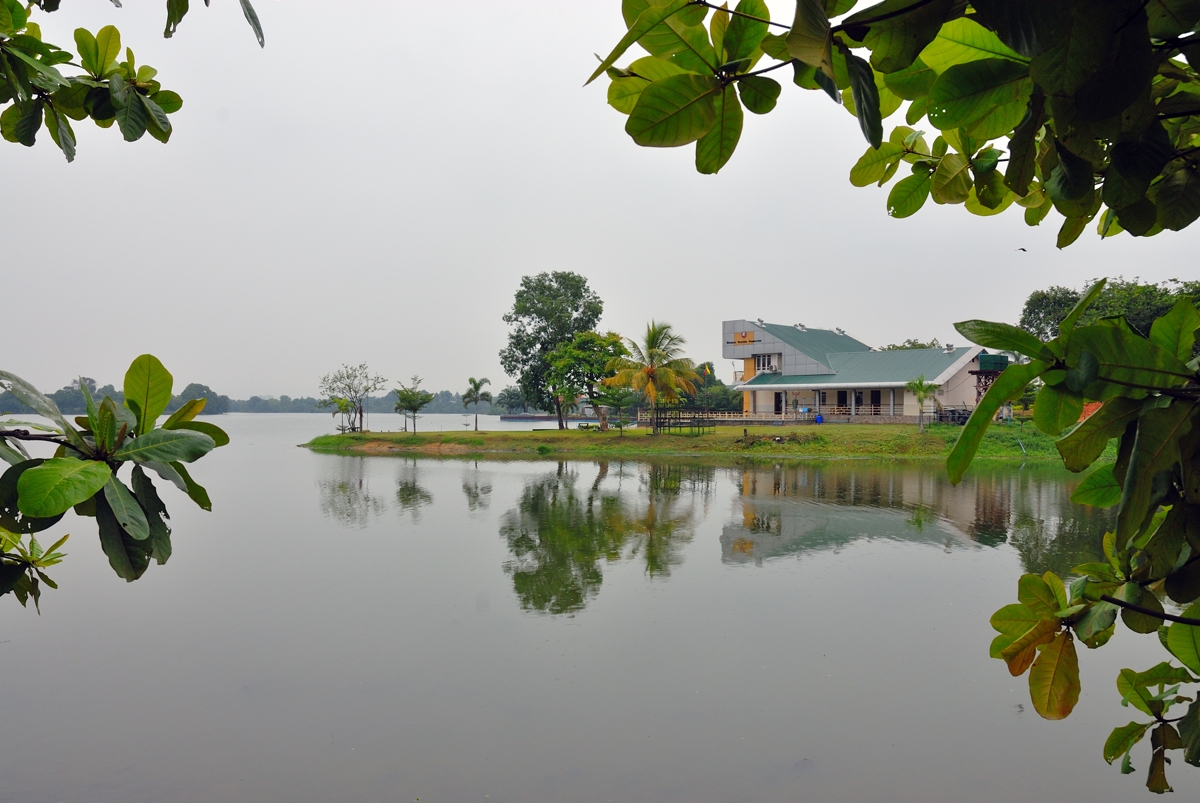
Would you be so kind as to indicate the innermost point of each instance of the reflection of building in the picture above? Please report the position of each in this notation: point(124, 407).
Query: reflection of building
point(788, 370)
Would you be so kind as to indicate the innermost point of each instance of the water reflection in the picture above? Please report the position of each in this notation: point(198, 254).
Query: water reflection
point(477, 487)
point(346, 495)
point(410, 495)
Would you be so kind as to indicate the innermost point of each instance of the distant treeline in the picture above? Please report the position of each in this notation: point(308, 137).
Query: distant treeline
point(71, 402)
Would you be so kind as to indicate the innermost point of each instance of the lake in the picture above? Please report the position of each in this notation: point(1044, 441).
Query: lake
point(392, 629)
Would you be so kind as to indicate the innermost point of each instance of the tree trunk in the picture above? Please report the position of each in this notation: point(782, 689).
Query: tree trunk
point(476, 416)
point(558, 409)
point(653, 417)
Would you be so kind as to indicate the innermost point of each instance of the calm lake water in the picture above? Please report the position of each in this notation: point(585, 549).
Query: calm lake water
point(388, 629)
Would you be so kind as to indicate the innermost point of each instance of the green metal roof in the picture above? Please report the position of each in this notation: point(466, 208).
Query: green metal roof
point(864, 368)
point(819, 344)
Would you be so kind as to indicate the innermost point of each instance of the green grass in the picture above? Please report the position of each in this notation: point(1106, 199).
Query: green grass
point(1003, 441)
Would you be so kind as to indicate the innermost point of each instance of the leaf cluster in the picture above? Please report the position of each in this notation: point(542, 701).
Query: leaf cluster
point(1149, 390)
point(83, 473)
point(1091, 110)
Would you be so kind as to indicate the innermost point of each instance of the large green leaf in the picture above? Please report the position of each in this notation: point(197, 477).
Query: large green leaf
point(186, 412)
point(1078, 50)
point(195, 491)
point(623, 92)
point(1054, 679)
point(896, 40)
point(646, 21)
point(743, 35)
point(1184, 640)
point(131, 114)
point(1009, 385)
point(810, 40)
point(59, 484)
point(909, 194)
point(11, 518)
point(156, 514)
point(1156, 449)
point(714, 148)
point(1022, 148)
point(1178, 198)
point(148, 384)
point(1000, 336)
point(1072, 178)
point(1122, 739)
point(872, 165)
point(962, 40)
point(674, 111)
point(951, 182)
point(1126, 358)
point(127, 557)
point(1036, 594)
point(965, 93)
point(166, 446)
point(126, 509)
point(1175, 332)
point(913, 82)
point(220, 438)
point(1169, 18)
point(1055, 409)
point(1081, 306)
point(31, 397)
point(759, 93)
point(866, 99)
point(1083, 445)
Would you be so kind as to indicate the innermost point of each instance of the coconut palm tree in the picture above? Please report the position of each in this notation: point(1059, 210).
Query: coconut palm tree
point(476, 394)
point(923, 391)
point(655, 367)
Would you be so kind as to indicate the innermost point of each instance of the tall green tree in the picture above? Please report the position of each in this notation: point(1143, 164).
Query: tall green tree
point(511, 400)
point(214, 403)
point(1140, 303)
point(1087, 109)
point(582, 364)
point(549, 309)
point(410, 400)
point(475, 394)
point(352, 384)
point(922, 391)
point(34, 91)
point(655, 367)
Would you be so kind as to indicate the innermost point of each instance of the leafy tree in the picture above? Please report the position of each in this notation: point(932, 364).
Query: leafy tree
point(619, 400)
point(33, 90)
point(1141, 304)
point(35, 493)
point(582, 365)
point(351, 383)
point(549, 309)
point(922, 391)
point(511, 400)
point(410, 400)
point(911, 343)
point(712, 393)
point(476, 394)
point(655, 368)
point(215, 404)
point(1097, 103)
point(1150, 389)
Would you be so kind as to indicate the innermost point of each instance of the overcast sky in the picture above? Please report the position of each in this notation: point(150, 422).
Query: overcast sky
point(372, 186)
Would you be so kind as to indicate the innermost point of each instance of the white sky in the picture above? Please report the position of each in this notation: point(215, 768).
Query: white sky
point(372, 186)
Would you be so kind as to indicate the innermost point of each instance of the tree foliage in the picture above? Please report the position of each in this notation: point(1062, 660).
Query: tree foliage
point(911, 343)
point(922, 391)
point(410, 400)
point(583, 363)
point(655, 367)
point(1149, 386)
point(83, 474)
point(34, 90)
point(549, 309)
point(474, 394)
point(1141, 304)
point(350, 385)
point(1088, 109)
point(511, 400)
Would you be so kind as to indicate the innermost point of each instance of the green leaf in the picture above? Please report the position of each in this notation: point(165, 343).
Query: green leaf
point(1054, 679)
point(154, 112)
point(962, 40)
point(1189, 732)
point(810, 40)
point(1178, 198)
point(646, 21)
point(195, 491)
point(1095, 625)
point(1126, 358)
point(1077, 51)
point(1055, 409)
point(1083, 445)
point(1170, 18)
point(1072, 178)
point(866, 99)
point(166, 446)
point(965, 93)
point(57, 485)
point(1036, 594)
point(1022, 148)
point(89, 56)
point(131, 115)
point(32, 398)
point(252, 18)
point(895, 41)
point(909, 195)
point(1140, 622)
point(176, 11)
point(168, 101)
point(674, 111)
point(107, 427)
point(60, 131)
point(1122, 739)
point(743, 35)
point(186, 412)
point(1184, 640)
point(126, 509)
point(759, 93)
point(872, 165)
point(913, 82)
point(1175, 332)
point(1009, 385)
point(127, 557)
point(11, 519)
point(1000, 336)
point(719, 24)
point(1155, 449)
point(156, 513)
point(148, 384)
point(108, 50)
point(951, 182)
point(714, 148)
point(1068, 323)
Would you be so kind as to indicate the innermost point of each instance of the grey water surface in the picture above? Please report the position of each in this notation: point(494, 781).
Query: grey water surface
point(392, 629)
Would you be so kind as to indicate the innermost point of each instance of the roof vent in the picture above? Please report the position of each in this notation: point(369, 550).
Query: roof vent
point(839, 330)
point(760, 321)
point(949, 347)
point(800, 326)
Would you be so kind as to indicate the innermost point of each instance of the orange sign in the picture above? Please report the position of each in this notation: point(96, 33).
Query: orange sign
point(743, 338)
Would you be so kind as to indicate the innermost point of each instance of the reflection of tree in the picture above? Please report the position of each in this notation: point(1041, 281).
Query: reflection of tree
point(410, 496)
point(657, 533)
point(1058, 544)
point(477, 490)
point(347, 497)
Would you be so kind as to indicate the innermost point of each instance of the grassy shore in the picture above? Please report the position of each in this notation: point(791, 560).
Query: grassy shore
point(824, 441)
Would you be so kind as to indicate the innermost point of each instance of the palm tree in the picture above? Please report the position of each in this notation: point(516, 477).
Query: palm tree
point(476, 394)
point(512, 400)
point(923, 391)
point(655, 367)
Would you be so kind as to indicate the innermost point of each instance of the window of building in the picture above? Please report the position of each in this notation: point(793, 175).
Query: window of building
point(824, 398)
point(764, 362)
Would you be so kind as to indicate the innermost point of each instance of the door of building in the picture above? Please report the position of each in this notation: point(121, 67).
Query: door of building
point(842, 400)
point(876, 398)
point(778, 402)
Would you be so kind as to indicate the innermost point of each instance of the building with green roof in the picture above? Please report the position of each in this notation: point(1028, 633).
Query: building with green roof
point(789, 371)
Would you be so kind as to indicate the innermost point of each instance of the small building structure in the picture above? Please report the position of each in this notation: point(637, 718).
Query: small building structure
point(796, 372)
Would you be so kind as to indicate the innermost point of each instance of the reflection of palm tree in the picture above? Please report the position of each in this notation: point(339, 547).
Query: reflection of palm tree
point(655, 367)
point(658, 533)
point(410, 496)
point(478, 494)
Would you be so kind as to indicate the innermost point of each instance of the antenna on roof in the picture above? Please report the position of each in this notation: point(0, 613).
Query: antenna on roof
point(839, 330)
